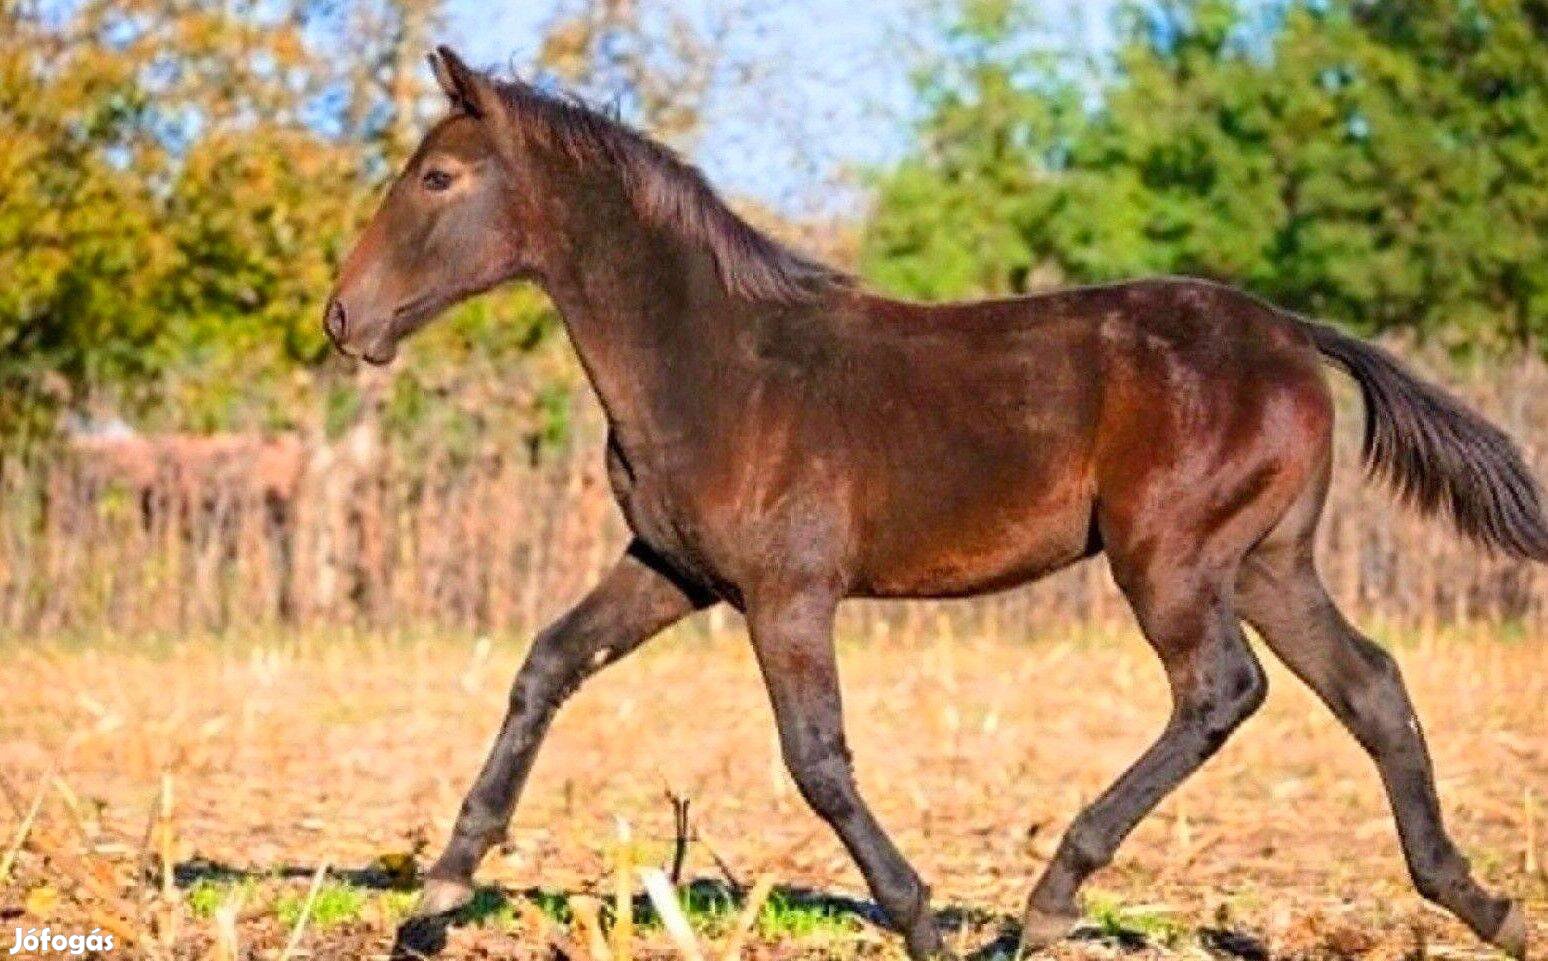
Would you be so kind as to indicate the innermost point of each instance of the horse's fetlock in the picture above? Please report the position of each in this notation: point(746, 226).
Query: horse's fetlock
point(1085, 849)
point(478, 824)
point(1435, 886)
point(921, 905)
point(1439, 871)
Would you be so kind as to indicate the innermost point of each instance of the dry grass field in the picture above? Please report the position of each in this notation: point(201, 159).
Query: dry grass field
point(294, 785)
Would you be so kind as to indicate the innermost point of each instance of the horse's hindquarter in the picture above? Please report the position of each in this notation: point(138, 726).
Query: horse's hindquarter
point(971, 432)
point(1216, 414)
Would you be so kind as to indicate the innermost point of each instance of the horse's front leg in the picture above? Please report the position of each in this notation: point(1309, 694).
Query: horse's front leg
point(635, 601)
point(792, 634)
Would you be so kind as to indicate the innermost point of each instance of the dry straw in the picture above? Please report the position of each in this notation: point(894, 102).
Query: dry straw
point(748, 918)
point(623, 894)
point(1529, 803)
point(22, 831)
point(588, 918)
point(225, 944)
point(294, 941)
point(664, 898)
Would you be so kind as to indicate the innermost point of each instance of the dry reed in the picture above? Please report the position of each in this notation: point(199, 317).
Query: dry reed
point(482, 535)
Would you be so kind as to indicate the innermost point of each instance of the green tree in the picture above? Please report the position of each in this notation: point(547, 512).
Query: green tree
point(78, 244)
point(179, 180)
point(967, 211)
point(163, 196)
point(1384, 164)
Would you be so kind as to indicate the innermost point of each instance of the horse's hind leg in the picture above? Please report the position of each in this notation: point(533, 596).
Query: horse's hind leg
point(1186, 614)
point(1281, 595)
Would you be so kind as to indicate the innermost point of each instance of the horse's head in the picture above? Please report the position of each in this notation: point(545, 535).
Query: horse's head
point(450, 226)
point(515, 182)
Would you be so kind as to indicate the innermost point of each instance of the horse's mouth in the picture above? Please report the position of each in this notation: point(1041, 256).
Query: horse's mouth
point(407, 318)
point(381, 350)
point(380, 355)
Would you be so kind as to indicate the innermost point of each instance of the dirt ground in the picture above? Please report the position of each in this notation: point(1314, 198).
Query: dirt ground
point(250, 765)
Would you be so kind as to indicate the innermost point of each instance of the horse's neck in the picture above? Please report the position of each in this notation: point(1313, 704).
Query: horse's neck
point(650, 324)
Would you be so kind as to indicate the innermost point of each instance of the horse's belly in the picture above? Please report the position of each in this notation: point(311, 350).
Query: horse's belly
point(959, 556)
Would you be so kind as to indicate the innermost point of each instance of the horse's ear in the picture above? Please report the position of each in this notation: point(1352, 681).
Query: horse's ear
point(468, 90)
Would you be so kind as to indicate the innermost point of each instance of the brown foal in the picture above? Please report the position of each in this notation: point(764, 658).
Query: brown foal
point(781, 439)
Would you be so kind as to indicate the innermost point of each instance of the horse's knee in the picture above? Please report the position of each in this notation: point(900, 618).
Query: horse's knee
point(1242, 691)
point(533, 692)
point(826, 781)
point(1378, 675)
point(547, 677)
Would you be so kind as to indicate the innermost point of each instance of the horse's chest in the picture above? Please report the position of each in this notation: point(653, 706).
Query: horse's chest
point(719, 519)
point(658, 511)
point(623, 477)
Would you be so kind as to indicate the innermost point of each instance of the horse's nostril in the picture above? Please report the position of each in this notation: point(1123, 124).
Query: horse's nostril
point(334, 322)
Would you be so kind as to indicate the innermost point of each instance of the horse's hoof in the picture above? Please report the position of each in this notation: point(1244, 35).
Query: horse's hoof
point(1039, 929)
point(1512, 934)
point(1005, 947)
point(419, 938)
point(441, 896)
point(925, 944)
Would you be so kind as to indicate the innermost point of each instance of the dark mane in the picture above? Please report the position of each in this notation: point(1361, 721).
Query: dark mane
point(671, 193)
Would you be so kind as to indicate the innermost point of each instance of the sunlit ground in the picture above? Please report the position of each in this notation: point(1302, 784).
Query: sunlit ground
point(252, 764)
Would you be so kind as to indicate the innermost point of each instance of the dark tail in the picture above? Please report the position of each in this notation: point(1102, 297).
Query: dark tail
point(1439, 455)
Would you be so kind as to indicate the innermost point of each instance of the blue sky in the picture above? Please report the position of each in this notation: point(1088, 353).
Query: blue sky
point(833, 99)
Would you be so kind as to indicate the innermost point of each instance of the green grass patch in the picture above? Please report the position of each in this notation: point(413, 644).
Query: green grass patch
point(396, 906)
point(336, 904)
point(205, 896)
point(491, 908)
point(711, 910)
point(1114, 920)
point(790, 918)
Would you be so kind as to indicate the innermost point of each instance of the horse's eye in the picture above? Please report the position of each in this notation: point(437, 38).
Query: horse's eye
point(436, 180)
